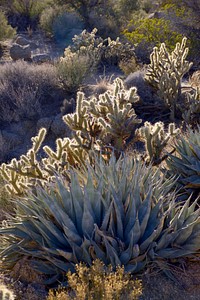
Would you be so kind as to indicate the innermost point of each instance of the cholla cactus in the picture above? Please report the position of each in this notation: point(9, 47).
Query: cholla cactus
point(98, 49)
point(108, 121)
point(121, 212)
point(190, 107)
point(17, 173)
point(5, 293)
point(166, 71)
point(156, 139)
point(97, 124)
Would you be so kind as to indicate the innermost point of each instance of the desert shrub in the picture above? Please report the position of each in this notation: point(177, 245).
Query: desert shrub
point(104, 283)
point(73, 69)
point(120, 212)
point(60, 24)
point(98, 14)
point(25, 13)
point(6, 31)
point(148, 33)
point(24, 88)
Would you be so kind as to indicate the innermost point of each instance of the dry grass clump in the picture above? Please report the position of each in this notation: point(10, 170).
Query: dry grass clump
point(24, 88)
point(97, 283)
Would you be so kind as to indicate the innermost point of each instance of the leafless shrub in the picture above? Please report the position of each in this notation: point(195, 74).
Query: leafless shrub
point(24, 88)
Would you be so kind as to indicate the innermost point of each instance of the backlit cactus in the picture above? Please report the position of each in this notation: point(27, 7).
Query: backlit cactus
point(166, 71)
point(156, 139)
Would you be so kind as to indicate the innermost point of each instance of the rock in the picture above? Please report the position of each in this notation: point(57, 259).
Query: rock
point(59, 127)
point(44, 122)
point(20, 52)
point(20, 40)
point(41, 58)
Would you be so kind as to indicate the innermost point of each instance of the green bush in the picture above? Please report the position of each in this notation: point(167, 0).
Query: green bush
point(148, 33)
point(72, 70)
point(6, 31)
point(120, 212)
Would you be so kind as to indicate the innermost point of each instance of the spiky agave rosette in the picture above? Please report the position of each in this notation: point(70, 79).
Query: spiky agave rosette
point(123, 213)
point(186, 164)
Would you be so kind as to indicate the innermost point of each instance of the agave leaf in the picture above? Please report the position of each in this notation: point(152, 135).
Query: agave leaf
point(144, 212)
point(173, 253)
point(58, 235)
point(166, 239)
point(47, 236)
point(99, 252)
point(62, 265)
point(119, 215)
point(186, 232)
point(155, 234)
point(86, 246)
point(44, 267)
point(67, 255)
point(183, 213)
point(72, 235)
point(192, 218)
point(153, 221)
point(88, 217)
point(130, 216)
point(65, 197)
point(127, 254)
point(16, 232)
point(106, 219)
point(135, 268)
point(135, 232)
point(77, 195)
point(112, 255)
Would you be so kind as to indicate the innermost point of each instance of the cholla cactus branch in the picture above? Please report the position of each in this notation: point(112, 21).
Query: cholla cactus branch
point(156, 139)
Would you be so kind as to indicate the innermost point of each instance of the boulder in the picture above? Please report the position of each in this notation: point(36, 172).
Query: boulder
point(41, 58)
point(20, 52)
point(20, 40)
point(59, 128)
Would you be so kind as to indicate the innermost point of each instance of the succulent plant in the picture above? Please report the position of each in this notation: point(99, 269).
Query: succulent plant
point(186, 164)
point(190, 107)
point(120, 212)
point(166, 71)
point(156, 139)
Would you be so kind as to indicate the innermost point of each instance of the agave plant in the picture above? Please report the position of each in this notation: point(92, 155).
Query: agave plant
point(187, 164)
point(120, 212)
